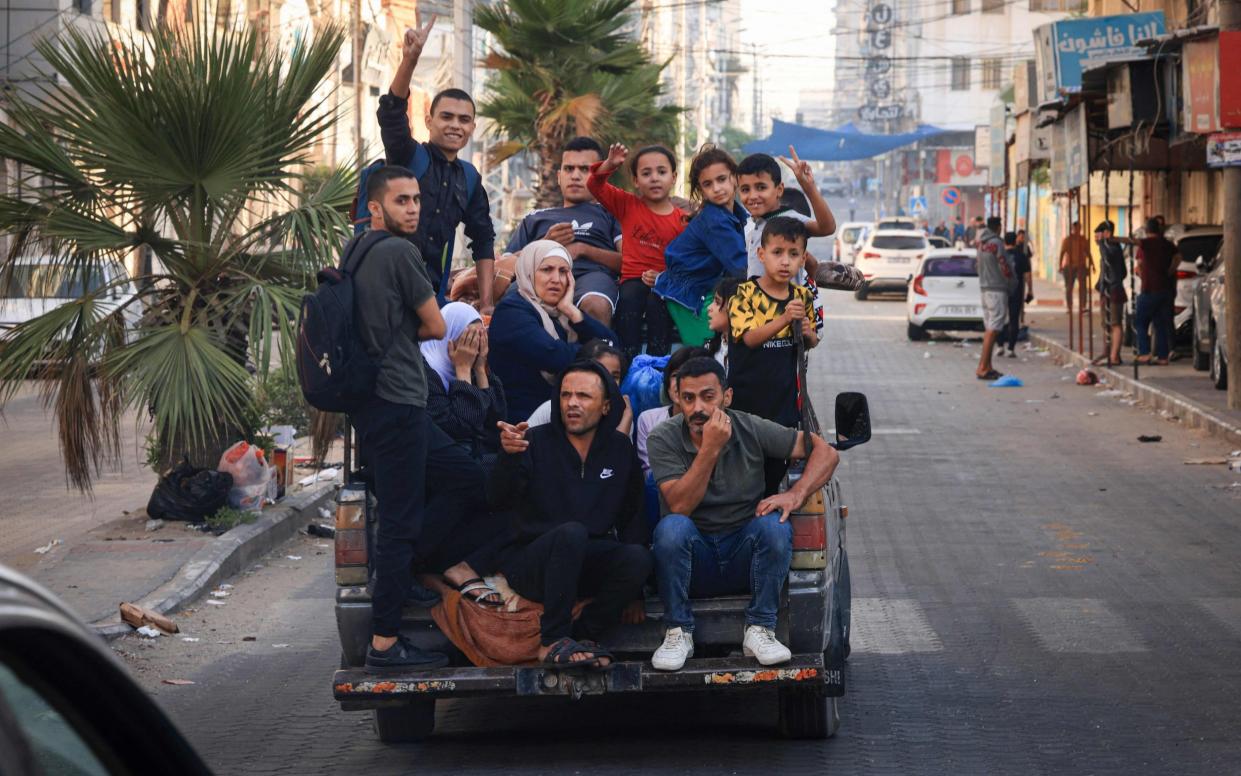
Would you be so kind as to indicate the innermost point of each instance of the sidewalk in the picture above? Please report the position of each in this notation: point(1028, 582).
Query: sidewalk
point(1177, 387)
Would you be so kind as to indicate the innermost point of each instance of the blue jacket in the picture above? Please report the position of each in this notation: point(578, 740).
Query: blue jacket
point(712, 245)
point(520, 351)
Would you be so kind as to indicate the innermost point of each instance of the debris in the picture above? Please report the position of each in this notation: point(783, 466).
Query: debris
point(138, 617)
point(322, 546)
point(325, 513)
point(1093, 414)
point(217, 603)
point(154, 525)
point(1109, 393)
point(279, 646)
point(146, 631)
point(1034, 401)
point(226, 586)
point(47, 547)
point(190, 639)
point(322, 474)
point(293, 557)
point(1235, 465)
point(1087, 377)
point(249, 638)
point(1206, 461)
point(1054, 395)
point(321, 530)
point(1235, 454)
point(178, 682)
point(926, 354)
point(220, 593)
point(1007, 381)
point(1150, 438)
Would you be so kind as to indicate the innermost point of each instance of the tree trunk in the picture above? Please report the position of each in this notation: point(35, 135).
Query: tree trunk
point(549, 147)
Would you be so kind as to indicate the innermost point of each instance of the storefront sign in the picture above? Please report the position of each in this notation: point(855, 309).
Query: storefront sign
point(1059, 159)
point(1076, 167)
point(1201, 79)
point(1224, 150)
point(995, 167)
point(982, 143)
point(1065, 45)
point(1230, 80)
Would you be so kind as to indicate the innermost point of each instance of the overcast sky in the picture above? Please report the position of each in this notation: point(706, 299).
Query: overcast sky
point(798, 35)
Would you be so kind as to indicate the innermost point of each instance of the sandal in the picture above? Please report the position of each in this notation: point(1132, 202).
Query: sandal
point(483, 594)
point(1143, 360)
point(600, 652)
point(560, 654)
point(992, 375)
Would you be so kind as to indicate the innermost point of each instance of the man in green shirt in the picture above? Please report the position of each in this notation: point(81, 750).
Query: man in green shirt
point(718, 534)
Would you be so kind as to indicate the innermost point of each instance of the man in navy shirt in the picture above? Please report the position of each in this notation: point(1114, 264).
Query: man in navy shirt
point(589, 232)
point(447, 199)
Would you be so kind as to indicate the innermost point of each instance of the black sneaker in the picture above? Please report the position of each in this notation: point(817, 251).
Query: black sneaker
point(403, 656)
point(422, 596)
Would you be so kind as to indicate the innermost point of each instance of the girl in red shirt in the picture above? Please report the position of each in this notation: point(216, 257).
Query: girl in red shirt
point(649, 221)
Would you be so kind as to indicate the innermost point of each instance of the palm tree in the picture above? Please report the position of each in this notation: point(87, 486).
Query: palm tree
point(192, 144)
point(564, 68)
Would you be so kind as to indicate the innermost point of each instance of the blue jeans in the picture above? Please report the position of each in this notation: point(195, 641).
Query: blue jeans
point(688, 562)
point(1154, 308)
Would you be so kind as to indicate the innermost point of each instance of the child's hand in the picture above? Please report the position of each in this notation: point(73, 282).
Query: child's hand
point(795, 310)
point(801, 170)
point(616, 156)
point(650, 276)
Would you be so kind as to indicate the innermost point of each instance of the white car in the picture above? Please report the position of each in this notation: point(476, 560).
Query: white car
point(849, 236)
point(943, 295)
point(888, 257)
point(39, 285)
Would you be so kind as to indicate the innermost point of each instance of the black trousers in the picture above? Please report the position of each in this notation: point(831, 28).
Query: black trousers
point(638, 303)
point(566, 562)
point(1016, 304)
point(394, 438)
point(456, 524)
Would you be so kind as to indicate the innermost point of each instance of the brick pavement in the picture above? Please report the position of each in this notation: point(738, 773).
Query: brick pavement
point(1037, 593)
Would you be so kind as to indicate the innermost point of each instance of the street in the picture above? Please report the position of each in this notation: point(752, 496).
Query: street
point(1035, 591)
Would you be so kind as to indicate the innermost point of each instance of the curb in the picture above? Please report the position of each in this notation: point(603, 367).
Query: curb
point(1191, 413)
point(226, 556)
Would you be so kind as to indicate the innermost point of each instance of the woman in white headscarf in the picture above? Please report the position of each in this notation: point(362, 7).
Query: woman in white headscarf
point(536, 329)
point(463, 397)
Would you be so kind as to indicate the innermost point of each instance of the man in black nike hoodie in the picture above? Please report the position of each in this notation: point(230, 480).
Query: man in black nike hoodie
point(576, 487)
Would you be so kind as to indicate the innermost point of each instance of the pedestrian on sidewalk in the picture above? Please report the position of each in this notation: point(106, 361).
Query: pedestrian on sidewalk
point(1111, 286)
point(396, 309)
point(1020, 289)
point(993, 277)
point(1076, 263)
point(1158, 259)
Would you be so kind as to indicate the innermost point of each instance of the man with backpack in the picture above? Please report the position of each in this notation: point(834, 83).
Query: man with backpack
point(451, 187)
point(395, 308)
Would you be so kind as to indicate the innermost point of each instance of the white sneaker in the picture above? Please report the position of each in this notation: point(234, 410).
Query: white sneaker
point(678, 647)
point(761, 643)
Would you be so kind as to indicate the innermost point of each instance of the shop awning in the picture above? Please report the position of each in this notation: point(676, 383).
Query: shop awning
point(843, 144)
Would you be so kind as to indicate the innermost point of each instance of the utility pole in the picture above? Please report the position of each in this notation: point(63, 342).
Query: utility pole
point(463, 54)
point(360, 157)
point(1230, 20)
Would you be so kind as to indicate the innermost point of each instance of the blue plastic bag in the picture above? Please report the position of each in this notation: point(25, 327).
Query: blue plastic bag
point(644, 383)
point(1007, 381)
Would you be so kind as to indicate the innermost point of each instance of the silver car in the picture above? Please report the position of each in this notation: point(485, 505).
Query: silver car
point(1210, 330)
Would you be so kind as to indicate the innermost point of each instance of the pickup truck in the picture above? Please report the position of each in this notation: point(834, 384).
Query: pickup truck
point(813, 622)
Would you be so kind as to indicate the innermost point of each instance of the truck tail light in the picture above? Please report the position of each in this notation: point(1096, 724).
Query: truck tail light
point(810, 534)
point(351, 547)
point(918, 288)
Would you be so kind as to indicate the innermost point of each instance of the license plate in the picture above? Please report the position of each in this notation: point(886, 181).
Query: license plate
point(959, 309)
point(898, 259)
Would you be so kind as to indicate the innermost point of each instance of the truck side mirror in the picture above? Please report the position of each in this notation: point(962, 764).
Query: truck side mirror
point(852, 420)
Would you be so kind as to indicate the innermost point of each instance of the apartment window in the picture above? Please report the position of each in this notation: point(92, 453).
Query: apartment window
point(992, 73)
point(994, 6)
point(961, 7)
point(960, 74)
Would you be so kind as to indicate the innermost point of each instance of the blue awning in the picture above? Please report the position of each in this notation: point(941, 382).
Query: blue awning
point(845, 143)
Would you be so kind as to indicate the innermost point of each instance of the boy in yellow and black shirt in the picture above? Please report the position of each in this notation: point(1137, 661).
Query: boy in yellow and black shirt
point(762, 362)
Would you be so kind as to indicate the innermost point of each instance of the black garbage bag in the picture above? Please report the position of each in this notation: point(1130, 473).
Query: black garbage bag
point(186, 493)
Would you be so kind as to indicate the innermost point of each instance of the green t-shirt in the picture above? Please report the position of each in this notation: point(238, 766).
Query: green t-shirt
point(389, 286)
point(737, 483)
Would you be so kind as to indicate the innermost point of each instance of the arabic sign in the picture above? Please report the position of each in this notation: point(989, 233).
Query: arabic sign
point(1074, 41)
point(1230, 79)
point(1224, 150)
point(881, 105)
point(996, 167)
point(1201, 78)
point(1076, 164)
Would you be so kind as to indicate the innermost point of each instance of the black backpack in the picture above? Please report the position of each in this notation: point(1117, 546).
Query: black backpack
point(336, 372)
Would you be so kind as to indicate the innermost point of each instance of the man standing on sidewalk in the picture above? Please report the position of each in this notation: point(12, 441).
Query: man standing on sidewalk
point(451, 191)
point(993, 277)
point(1158, 259)
point(396, 309)
point(1076, 263)
point(1020, 288)
point(1111, 286)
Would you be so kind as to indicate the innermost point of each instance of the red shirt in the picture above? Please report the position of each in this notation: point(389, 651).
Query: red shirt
point(1155, 264)
point(644, 233)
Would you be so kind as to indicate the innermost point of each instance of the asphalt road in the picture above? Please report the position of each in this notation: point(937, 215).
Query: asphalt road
point(1035, 591)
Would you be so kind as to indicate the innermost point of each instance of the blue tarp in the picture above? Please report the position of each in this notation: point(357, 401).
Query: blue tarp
point(843, 144)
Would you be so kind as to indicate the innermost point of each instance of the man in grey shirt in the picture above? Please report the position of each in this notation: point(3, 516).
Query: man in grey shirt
point(395, 307)
point(993, 279)
point(718, 534)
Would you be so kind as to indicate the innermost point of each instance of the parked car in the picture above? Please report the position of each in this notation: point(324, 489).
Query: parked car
point(938, 241)
point(813, 621)
point(944, 294)
point(887, 257)
point(1192, 241)
point(1209, 319)
point(898, 222)
point(38, 285)
point(849, 237)
point(67, 704)
point(833, 186)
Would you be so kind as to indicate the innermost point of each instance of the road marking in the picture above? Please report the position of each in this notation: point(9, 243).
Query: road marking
point(1078, 625)
point(1226, 610)
point(891, 626)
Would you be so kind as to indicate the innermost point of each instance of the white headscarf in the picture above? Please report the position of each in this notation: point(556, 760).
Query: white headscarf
point(458, 316)
point(528, 261)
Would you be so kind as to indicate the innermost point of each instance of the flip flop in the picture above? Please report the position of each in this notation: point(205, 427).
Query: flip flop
point(483, 594)
point(992, 375)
